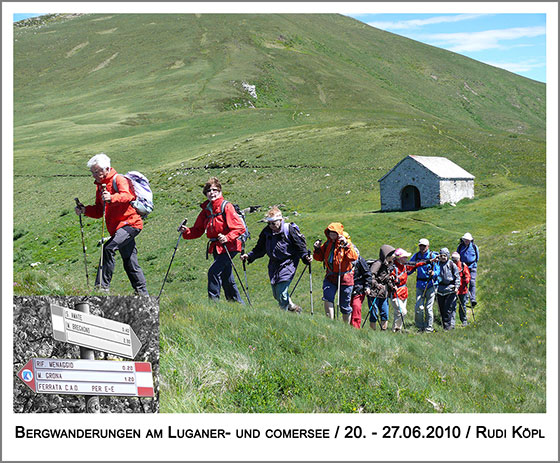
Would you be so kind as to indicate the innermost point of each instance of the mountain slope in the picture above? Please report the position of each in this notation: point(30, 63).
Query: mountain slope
point(99, 74)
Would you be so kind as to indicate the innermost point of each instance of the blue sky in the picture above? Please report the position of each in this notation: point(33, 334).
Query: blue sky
point(516, 42)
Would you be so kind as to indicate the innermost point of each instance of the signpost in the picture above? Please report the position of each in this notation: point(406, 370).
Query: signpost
point(94, 332)
point(88, 377)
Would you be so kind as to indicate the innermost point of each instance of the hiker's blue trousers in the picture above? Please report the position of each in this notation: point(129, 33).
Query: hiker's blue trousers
point(329, 293)
point(123, 241)
point(379, 310)
point(220, 274)
point(472, 286)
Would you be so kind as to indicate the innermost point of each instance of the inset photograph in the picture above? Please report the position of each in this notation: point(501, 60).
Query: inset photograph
point(86, 354)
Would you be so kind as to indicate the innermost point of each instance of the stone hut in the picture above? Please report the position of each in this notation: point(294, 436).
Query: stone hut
point(424, 181)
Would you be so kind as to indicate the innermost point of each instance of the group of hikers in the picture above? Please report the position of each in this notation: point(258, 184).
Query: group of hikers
point(349, 277)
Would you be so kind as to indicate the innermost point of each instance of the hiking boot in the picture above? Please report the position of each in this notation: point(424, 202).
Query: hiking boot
point(429, 329)
point(465, 323)
point(295, 308)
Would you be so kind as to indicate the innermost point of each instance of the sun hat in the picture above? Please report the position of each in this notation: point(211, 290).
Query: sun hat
point(467, 236)
point(400, 252)
point(424, 241)
point(274, 217)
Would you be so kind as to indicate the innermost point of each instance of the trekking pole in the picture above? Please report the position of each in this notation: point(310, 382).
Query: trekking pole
point(369, 311)
point(245, 272)
point(183, 223)
point(237, 274)
point(80, 205)
point(100, 268)
point(338, 296)
point(310, 286)
point(294, 288)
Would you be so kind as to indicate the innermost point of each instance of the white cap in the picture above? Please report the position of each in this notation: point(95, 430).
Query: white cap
point(467, 236)
point(424, 241)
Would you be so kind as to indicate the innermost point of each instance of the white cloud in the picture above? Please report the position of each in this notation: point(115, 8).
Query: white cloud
point(416, 23)
point(484, 40)
point(517, 67)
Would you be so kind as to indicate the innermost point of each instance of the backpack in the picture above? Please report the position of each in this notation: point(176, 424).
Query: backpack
point(246, 234)
point(140, 187)
point(286, 229)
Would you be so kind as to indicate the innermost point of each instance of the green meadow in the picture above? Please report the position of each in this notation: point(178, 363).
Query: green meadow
point(338, 105)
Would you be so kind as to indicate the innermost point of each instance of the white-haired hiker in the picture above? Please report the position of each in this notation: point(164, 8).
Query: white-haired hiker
point(123, 223)
point(285, 246)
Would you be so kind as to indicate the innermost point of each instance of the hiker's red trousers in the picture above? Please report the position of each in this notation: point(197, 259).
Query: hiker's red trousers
point(356, 304)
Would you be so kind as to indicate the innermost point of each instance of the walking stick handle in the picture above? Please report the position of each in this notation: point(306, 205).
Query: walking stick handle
point(183, 223)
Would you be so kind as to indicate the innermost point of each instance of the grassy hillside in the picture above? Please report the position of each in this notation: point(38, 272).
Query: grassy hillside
point(338, 104)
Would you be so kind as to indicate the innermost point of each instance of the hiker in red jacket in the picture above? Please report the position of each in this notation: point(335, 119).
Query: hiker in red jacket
point(123, 223)
point(463, 292)
point(223, 226)
point(399, 295)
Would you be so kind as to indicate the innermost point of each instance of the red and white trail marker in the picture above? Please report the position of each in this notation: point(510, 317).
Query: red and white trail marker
point(88, 377)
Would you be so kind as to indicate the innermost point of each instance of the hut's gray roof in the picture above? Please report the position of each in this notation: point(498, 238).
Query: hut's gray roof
point(441, 167)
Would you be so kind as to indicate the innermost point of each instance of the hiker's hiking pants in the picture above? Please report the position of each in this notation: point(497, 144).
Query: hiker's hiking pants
point(123, 241)
point(329, 294)
point(379, 310)
point(424, 309)
point(220, 274)
point(472, 285)
point(463, 306)
point(399, 307)
point(281, 293)
point(356, 303)
point(447, 304)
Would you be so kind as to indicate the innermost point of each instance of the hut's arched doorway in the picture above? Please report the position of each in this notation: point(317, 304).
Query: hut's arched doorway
point(410, 198)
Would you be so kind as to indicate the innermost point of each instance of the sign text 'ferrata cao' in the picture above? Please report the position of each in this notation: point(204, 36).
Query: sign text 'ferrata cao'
point(94, 332)
point(88, 377)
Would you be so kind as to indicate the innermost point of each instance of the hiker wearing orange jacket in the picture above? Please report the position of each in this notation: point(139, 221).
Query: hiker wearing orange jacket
point(222, 226)
point(123, 223)
point(337, 254)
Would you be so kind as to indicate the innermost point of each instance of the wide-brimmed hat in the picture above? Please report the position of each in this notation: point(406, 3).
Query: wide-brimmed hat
point(467, 236)
point(424, 241)
point(400, 252)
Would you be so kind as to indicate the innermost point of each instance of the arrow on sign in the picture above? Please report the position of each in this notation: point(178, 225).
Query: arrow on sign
point(88, 377)
point(94, 332)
